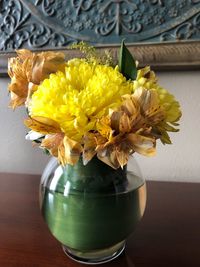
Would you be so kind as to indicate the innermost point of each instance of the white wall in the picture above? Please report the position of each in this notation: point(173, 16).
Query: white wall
point(16, 154)
point(180, 161)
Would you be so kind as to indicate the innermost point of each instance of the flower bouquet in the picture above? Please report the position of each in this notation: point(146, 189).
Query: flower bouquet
point(91, 114)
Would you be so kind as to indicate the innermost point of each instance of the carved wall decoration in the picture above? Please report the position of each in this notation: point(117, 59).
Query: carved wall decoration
point(54, 24)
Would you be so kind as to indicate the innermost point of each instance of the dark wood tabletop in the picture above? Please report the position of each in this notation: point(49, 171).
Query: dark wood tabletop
point(168, 235)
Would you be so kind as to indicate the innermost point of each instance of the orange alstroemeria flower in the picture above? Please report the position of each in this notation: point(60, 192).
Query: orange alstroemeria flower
point(28, 70)
point(126, 130)
point(67, 150)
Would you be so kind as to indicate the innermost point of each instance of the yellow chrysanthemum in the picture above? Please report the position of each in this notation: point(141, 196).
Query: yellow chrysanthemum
point(77, 98)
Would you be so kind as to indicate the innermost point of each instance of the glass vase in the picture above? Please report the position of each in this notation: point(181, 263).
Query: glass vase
point(91, 209)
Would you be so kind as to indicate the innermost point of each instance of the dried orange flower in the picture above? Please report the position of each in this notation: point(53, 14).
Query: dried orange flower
point(28, 69)
point(126, 130)
point(67, 150)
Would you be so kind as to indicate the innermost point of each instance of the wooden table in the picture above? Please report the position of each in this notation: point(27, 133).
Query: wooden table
point(168, 235)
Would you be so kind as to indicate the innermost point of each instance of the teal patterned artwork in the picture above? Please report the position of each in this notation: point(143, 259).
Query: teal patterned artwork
point(43, 24)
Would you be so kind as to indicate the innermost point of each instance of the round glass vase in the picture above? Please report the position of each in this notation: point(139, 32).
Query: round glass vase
point(91, 209)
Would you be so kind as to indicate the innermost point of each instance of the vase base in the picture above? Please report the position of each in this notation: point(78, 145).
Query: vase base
point(98, 256)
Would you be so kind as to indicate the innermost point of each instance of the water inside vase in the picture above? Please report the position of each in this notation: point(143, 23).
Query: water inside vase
point(85, 220)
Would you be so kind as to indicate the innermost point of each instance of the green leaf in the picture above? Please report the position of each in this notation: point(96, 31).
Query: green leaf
point(37, 141)
point(46, 151)
point(127, 65)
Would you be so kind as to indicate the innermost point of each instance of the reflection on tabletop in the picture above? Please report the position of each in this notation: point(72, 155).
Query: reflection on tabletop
point(123, 260)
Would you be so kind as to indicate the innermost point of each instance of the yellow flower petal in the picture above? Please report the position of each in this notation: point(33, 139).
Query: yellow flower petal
point(52, 143)
point(72, 150)
point(89, 149)
point(122, 157)
point(42, 125)
point(142, 144)
point(109, 157)
point(150, 105)
point(44, 64)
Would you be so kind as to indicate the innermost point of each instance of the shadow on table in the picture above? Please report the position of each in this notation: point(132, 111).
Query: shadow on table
point(123, 260)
